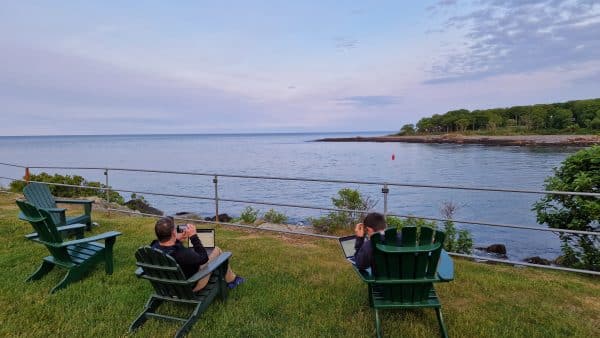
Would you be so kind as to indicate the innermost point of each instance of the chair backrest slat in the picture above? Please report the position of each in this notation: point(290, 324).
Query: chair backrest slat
point(39, 195)
point(154, 260)
point(46, 228)
point(420, 263)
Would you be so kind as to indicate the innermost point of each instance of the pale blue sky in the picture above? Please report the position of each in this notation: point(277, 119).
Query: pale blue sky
point(274, 66)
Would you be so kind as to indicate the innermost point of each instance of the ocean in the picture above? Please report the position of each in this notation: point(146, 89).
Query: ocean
point(295, 155)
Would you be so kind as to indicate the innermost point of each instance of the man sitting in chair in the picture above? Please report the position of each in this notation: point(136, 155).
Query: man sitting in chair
point(189, 259)
point(374, 222)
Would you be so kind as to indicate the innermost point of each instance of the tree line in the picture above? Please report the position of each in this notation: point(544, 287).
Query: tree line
point(565, 117)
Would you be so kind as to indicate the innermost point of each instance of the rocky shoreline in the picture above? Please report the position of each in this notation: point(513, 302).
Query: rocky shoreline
point(512, 140)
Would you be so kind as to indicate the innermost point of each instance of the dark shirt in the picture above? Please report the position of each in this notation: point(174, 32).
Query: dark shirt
point(189, 259)
point(363, 257)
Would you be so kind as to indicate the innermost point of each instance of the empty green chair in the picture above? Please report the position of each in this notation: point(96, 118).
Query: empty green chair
point(170, 285)
point(38, 194)
point(76, 256)
point(404, 274)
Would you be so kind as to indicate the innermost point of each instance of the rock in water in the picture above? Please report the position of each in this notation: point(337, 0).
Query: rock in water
point(537, 260)
point(499, 249)
point(143, 207)
point(222, 218)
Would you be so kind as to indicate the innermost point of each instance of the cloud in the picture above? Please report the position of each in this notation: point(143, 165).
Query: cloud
point(39, 86)
point(370, 101)
point(519, 36)
point(345, 43)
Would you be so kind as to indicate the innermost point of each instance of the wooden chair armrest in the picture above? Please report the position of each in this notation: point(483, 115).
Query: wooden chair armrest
point(445, 267)
point(60, 229)
point(70, 201)
point(110, 234)
point(22, 216)
point(364, 275)
point(210, 267)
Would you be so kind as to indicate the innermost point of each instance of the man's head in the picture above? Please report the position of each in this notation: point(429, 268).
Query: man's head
point(374, 222)
point(164, 228)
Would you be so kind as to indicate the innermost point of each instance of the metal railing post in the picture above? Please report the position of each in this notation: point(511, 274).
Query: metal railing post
point(215, 181)
point(385, 190)
point(107, 190)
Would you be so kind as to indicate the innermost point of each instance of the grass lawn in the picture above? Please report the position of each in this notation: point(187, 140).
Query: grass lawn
point(296, 287)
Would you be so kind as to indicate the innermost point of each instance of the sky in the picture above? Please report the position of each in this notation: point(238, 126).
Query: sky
point(144, 67)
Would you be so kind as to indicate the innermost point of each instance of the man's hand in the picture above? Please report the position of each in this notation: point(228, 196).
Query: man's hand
point(359, 230)
point(191, 230)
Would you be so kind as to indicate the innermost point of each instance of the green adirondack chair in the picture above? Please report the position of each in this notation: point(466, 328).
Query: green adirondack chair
point(39, 195)
point(77, 256)
point(404, 273)
point(170, 285)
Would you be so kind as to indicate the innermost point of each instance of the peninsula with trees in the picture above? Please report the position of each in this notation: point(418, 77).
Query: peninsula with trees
point(567, 123)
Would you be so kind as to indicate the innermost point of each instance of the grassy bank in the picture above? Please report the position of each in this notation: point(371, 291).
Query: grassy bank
point(298, 287)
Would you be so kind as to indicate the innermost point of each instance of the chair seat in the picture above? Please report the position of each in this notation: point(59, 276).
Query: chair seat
point(78, 253)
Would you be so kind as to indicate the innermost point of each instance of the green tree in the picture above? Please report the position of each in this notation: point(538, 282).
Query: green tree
point(580, 172)
point(407, 129)
point(349, 199)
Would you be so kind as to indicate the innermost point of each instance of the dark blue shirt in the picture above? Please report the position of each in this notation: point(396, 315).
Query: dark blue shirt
point(189, 259)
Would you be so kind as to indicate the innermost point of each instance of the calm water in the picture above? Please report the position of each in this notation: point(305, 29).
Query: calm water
point(292, 155)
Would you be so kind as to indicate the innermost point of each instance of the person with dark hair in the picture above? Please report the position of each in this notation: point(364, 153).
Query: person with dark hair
point(189, 259)
point(374, 222)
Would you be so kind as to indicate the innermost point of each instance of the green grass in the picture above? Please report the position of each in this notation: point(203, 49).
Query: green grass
point(296, 287)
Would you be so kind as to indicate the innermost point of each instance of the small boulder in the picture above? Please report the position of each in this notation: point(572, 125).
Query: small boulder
point(143, 207)
point(537, 260)
point(498, 249)
point(222, 218)
point(259, 222)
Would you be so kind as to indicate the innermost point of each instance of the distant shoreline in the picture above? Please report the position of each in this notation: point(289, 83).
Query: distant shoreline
point(510, 140)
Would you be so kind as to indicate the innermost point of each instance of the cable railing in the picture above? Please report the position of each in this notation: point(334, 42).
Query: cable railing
point(384, 190)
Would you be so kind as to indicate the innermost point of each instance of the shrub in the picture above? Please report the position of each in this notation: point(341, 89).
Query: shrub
point(273, 216)
point(98, 189)
point(579, 172)
point(349, 199)
point(459, 241)
point(399, 223)
point(249, 215)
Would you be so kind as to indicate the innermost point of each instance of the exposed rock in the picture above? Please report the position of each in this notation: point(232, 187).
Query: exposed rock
point(499, 249)
point(188, 215)
point(143, 207)
point(222, 218)
point(259, 222)
point(537, 260)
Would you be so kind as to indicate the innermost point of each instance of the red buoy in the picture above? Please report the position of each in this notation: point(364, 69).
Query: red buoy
point(393, 157)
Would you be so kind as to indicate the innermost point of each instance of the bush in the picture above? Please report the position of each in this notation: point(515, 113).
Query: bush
point(98, 189)
point(273, 216)
point(580, 172)
point(349, 199)
point(456, 241)
point(459, 241)
point(399, 223)
point(249, 215)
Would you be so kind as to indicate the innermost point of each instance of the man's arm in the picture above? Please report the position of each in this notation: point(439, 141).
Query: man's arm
point(362, 256)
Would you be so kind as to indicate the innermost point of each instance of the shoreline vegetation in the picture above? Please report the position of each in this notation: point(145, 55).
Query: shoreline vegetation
point(497, 140)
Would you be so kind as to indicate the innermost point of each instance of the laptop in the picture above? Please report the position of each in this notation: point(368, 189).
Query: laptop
point(207, 237)
point(347, 244)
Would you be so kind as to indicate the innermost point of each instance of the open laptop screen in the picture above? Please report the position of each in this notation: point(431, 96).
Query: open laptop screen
point(206, 236)
point(347, 244)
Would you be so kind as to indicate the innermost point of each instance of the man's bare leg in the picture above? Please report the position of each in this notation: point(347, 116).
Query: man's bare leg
point(229, 276)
